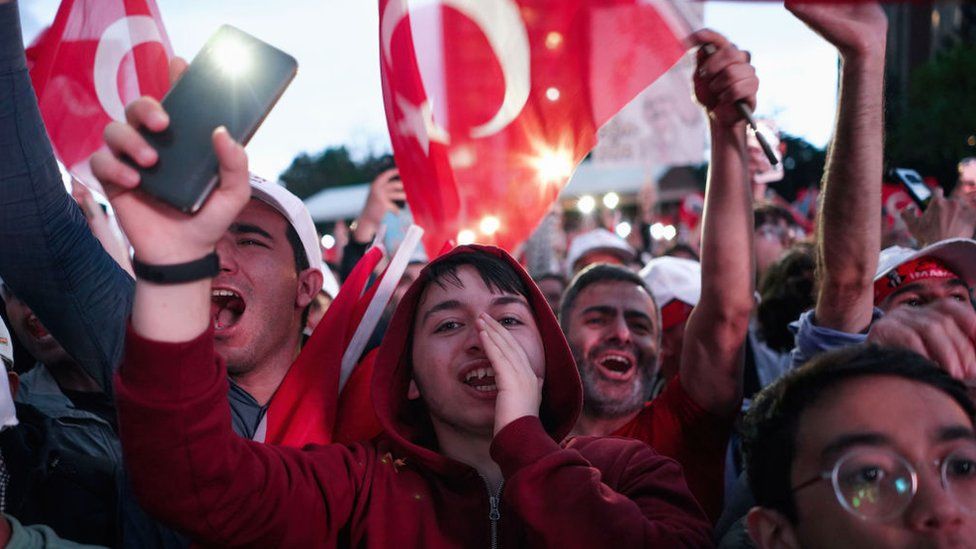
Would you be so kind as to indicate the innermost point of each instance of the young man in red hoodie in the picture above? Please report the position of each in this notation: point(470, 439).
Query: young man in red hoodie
point(474, 386)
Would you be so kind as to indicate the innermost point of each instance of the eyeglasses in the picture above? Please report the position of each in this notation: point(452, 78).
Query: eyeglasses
point(878, 484)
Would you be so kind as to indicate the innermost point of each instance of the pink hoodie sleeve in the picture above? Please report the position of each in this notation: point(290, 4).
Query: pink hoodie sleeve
point(190, 470)
point(596, 492)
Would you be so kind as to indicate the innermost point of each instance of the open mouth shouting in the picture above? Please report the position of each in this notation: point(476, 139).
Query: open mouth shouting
point(226, 308)
point(480, 378)
point(616, 365)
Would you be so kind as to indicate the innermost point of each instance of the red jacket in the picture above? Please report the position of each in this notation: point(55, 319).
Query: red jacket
point(190, 470)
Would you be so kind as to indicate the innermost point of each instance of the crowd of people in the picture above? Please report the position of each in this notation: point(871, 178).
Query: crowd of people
point(757, 389)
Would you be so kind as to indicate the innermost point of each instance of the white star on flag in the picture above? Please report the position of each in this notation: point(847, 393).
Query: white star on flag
point(419, 123)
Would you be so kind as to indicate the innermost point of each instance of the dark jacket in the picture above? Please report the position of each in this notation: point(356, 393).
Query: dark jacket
point(71, 492)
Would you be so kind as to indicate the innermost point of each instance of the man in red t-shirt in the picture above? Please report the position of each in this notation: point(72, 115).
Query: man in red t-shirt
point(614, 327)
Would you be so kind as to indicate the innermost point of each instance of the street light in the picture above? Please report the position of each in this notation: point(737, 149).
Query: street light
point(585, 204)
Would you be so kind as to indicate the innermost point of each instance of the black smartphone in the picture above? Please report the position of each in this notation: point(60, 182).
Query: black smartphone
point(234, 81)
point(914, 186)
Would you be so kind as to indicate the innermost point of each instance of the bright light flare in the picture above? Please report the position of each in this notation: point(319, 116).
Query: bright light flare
point(552, 94)
point(623, 229)
point(232, 57)
point(585, 204)
point(554, 39)
point(660, 231)
point(611, 200)
point(465, 237)
point(328, 241)
point(489, 225)
point(553, 165)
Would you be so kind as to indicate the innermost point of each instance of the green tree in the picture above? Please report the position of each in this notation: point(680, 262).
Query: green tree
point(333, 167)
point(935, 128)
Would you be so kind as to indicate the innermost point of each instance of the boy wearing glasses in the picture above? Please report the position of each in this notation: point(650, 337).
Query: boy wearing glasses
point(863, 447)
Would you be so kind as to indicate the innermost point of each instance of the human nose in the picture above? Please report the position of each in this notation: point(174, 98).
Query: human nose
point(226, 251)
point(619, 330)
point(472, 341)
point(933, 508)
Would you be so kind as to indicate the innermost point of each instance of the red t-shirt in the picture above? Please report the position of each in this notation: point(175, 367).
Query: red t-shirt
point(677, 427)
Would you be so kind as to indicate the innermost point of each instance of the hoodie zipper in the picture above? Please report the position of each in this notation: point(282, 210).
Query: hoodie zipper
point(494, 515)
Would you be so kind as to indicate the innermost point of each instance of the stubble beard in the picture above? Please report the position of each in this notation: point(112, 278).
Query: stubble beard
point(600, 405)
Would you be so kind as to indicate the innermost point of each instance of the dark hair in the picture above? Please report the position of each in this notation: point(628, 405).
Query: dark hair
point(550, 276)
point(681, 248)
point(592, 274)
point(767, 212)
point(786, 290)
point(301, 260)
point(496, 273)
point(769, 430)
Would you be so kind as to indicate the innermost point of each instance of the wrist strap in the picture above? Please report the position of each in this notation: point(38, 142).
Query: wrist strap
point(206, 267)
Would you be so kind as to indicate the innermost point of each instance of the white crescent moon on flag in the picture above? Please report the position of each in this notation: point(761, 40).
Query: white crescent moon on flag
point(502, 25)
point(116, 42)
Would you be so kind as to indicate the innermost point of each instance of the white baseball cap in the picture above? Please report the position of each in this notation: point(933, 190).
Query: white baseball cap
point(294, 210)
point(600, 240)
point(671, 278)
point(958, 254)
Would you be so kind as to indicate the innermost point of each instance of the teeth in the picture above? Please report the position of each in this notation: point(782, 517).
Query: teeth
point(223, 293)
point(479, 373)
point(486, 388)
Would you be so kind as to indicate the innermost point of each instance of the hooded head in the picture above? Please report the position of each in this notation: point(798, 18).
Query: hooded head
point(405, 416)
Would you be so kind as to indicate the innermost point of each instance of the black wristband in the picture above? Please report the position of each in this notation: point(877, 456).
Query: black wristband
point(206, 267)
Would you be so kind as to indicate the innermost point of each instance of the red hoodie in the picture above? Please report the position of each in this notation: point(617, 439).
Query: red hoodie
point(190, 470)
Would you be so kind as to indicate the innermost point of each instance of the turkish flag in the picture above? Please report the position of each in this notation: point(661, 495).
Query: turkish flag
point(492, 104)
point(98, 56)
point(305, 406)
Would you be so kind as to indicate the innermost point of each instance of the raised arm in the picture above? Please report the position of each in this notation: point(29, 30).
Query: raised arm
point(49, 257)
point(850, 220)
point(711, 358)
point(186, 464)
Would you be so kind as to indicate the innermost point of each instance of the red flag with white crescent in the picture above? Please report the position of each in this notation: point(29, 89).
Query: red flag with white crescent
point(491, 105)
point(96, 57)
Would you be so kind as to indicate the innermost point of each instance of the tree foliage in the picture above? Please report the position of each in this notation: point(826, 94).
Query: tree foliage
point(333, 167)
point(934, 128)
point(803, 166)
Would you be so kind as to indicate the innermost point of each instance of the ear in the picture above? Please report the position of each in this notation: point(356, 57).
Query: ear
point(771, 529)
point(309, 284)
point(14, 380)
point(413, 393)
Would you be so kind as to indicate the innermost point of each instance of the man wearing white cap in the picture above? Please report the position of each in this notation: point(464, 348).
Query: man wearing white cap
point(267, 274)
point(922, 301)
point(597, 246)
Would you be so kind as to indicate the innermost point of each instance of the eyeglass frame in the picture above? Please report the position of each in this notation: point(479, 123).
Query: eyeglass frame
point(833, 473)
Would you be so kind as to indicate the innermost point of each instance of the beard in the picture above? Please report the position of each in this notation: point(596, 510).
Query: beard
point(606, 399)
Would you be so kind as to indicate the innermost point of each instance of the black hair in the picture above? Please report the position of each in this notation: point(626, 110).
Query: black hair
point(767, 212)
point(786, 290)
point(599, 272)
point(301, 261)
point(678, 248)
point(495, 272)
point(769, 430)
point(550, 276)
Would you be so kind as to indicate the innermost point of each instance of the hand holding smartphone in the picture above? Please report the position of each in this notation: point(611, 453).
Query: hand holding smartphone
point(914, 185)
point(234, 81)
